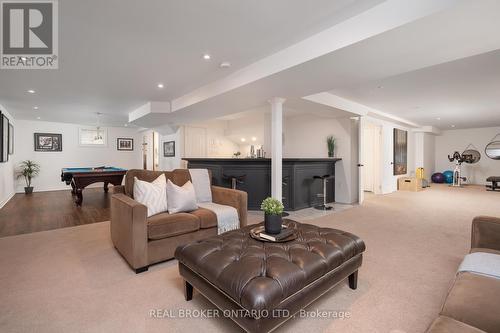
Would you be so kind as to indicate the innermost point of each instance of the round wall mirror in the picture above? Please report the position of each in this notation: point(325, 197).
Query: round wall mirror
point(492, 150)
point(471, 156)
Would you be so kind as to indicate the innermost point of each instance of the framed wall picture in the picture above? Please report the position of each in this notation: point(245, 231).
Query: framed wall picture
point(93, 137)
point(400, 161)
point(125, 144)
point(11, 139)
point(4, 138)
point(48, 142)
point(169, 149)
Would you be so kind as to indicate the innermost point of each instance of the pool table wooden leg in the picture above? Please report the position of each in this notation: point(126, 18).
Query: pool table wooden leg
point(79, 197)
point(73, 188)
point(106, 188)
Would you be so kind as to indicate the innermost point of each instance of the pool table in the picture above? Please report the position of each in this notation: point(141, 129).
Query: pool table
point(79, 178)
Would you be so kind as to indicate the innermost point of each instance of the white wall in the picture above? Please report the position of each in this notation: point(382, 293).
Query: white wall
point(7, 169)
point(305, 136)
point(218, 145)
point(389, 181)
point(425, 151)
point(171, 163)
point(72, 155)
point(457, 140)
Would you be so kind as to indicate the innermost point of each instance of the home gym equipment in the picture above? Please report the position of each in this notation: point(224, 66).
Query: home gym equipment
point(494, 183)
point(438, 178)
point(448, 176)
point(410, 184)
point(470, 156)
point(421, 175)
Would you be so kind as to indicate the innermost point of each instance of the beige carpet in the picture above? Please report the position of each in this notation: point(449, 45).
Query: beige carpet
point(72, 280)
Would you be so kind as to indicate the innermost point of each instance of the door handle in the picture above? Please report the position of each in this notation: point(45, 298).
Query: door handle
point(360, 165)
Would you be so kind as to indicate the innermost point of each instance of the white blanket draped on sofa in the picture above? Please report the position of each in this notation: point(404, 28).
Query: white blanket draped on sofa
point(227, 216)
point(481, 263)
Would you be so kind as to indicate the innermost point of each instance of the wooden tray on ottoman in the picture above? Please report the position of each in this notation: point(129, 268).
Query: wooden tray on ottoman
point(256, 231)
point(264, 284)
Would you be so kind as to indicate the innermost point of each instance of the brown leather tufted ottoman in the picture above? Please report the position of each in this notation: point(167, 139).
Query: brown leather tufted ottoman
point(260, 285)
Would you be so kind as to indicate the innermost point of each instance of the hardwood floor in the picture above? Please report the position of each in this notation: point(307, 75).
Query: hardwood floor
point(42, 211)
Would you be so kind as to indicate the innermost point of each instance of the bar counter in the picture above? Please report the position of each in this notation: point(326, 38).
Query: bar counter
point(300, 189)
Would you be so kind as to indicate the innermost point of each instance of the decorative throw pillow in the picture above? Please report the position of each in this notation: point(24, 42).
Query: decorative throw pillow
point(181, 199)
point(153, 195)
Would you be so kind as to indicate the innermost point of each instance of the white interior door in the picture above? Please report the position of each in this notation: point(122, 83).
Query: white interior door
point(368, 158)
point(361, 148)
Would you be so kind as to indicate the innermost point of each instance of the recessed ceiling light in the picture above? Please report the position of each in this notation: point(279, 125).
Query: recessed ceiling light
point(31, 91)
point(206, 56)
point(438, 118)
point(225, 64)
point(160, 85)
point(38, 118)
point(243, 139)
point(254, 138)
point(35, 108)
point(452, 125)
point(125, 125)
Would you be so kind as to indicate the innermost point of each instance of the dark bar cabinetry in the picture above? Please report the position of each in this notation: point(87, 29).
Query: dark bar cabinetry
point(300, 190)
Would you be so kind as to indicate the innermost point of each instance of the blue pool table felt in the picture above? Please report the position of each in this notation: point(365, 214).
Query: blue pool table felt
point(83, 170)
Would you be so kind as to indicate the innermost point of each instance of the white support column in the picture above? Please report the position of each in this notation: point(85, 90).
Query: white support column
point(276, 146)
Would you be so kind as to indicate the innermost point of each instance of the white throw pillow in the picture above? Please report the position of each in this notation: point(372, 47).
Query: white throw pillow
point(181, 199)
point(153, 195)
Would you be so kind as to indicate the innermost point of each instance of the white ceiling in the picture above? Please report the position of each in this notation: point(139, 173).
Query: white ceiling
point(463, 29)
point(463, 93)
point(114, 52)
point(433, 58)
point(292, 108)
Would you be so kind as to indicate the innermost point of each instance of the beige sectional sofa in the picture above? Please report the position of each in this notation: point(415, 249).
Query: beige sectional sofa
point(473, 302)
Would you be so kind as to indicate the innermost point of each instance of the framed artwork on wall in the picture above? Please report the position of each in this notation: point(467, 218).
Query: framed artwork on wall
point(400, 158)
point(169, 149)
point(11, 139)
point(4, 138)
point(48, 142)
point(125, 144)
point(92, 137)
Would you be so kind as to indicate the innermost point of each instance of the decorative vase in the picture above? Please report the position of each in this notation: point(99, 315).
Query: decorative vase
point(272, 223)
point(330, 154)
point(28, 190)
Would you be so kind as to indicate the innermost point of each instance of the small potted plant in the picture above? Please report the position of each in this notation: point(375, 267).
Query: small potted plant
point(330, 141)
point(273, 211)
point(29, 170)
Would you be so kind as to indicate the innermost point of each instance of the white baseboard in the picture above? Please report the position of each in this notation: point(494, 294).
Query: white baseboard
point(3, 203)
point(57, 188)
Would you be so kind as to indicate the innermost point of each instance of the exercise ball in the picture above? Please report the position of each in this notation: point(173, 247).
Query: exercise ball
point(437, 178)
point(448, 176)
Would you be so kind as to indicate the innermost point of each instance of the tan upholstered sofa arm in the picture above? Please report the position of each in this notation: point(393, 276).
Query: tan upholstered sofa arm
point(129, 231)
point(486, 232)
point(118, 189)
point(233, 198)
